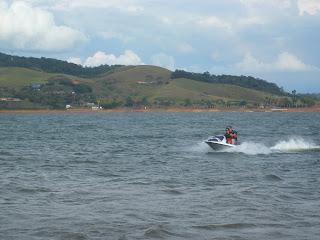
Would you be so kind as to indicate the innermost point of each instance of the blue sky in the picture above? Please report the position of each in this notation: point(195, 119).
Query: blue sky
point(276, 40)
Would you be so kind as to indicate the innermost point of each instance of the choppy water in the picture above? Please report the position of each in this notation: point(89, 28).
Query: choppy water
point(149, 176)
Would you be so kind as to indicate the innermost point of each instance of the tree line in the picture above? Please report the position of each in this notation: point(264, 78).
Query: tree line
point(241, 81)
point(54, 66)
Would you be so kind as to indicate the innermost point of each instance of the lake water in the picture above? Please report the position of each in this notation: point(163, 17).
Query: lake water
point(150, 176)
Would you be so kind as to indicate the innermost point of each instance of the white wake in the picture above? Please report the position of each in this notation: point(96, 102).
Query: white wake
point(250, 148)
point(293, 144)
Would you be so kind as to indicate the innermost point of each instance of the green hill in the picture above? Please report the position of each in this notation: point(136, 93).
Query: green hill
point(54, 83)
point(187, 88)
point(53, 66)
point(242, 81)
point(15, 77)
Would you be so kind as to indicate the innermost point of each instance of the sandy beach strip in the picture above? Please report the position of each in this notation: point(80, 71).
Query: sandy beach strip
point(120, 110)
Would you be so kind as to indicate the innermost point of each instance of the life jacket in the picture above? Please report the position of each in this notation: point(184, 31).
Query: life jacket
point(235, 135)
point(228, 138)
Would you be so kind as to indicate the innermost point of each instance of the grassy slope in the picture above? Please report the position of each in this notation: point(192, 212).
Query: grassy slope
point(124, 82)
point(14, 77)
point(186, 88)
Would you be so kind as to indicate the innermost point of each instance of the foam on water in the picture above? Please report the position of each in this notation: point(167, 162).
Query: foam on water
point(293, 144)
point(199, 147)
point(250, 148)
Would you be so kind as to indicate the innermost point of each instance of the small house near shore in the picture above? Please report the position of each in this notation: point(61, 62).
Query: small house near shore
point(10, 99)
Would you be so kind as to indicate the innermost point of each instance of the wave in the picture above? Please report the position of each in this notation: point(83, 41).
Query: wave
point(225, 226)
point(160, 232)
point(293, 144)
point(250, 148)
point(199, 147)
point(273, 177)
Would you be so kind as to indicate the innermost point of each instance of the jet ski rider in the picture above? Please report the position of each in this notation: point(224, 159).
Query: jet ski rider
point(231, 135)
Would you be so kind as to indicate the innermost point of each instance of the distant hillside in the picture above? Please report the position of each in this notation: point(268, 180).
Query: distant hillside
point(311, 95)
point(242, 81)
point(50, 83)
point(155, 82)
point(53, 66)
point(16, 77)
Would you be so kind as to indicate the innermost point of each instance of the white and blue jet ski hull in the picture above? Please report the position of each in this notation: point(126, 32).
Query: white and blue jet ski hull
point(218, 143)
point(219, 146)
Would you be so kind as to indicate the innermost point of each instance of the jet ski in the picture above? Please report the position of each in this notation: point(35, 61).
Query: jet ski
point(218, 142)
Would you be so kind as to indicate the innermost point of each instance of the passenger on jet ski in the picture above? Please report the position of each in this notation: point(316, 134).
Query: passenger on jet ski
point(228, 136)
point(234, 137)
point(231, 135)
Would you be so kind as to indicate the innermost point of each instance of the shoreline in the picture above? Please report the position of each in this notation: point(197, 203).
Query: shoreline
point(126, 110)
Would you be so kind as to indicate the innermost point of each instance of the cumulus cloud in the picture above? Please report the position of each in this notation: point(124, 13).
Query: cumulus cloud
point(249, 21)
point(283, 4)
point(250, 63)
point(163, 60)
point(121, 5)
point(284, 62)
point(232, 24)
point(287, 61)
point(115, 35)
point(25, 27)
point(102, 58)
point(75, 60)
point(213, 21)
point(185, 48)
point(310, 7)
point(166, 20)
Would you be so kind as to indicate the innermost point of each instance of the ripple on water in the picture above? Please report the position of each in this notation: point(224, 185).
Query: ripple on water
point(139, 183)
point(162, 232)
point(157, 231)
point(172, 191)
point(225, 226)
point(33, 190)
point(138, 175)
point(74, 236)
point(63, 235)
point(273, 177)
point(6, 153)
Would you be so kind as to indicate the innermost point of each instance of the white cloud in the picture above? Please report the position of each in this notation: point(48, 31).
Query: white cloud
point(284, 62)
point(121, 5)
point(216, 56)
point(166, 20)
point(25, 27)
point(115, 35)
point(163, 60)
point(230, 24)
point(287, 61)
point(185, 48)
point(101, 58)
point(75, 60)
point(250, 63)
point(282, 4)
point(249, 21)
point(213, 21)
point(311, 7)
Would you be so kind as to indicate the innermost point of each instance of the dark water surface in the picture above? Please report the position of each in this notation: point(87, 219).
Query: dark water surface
point(149, 176)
